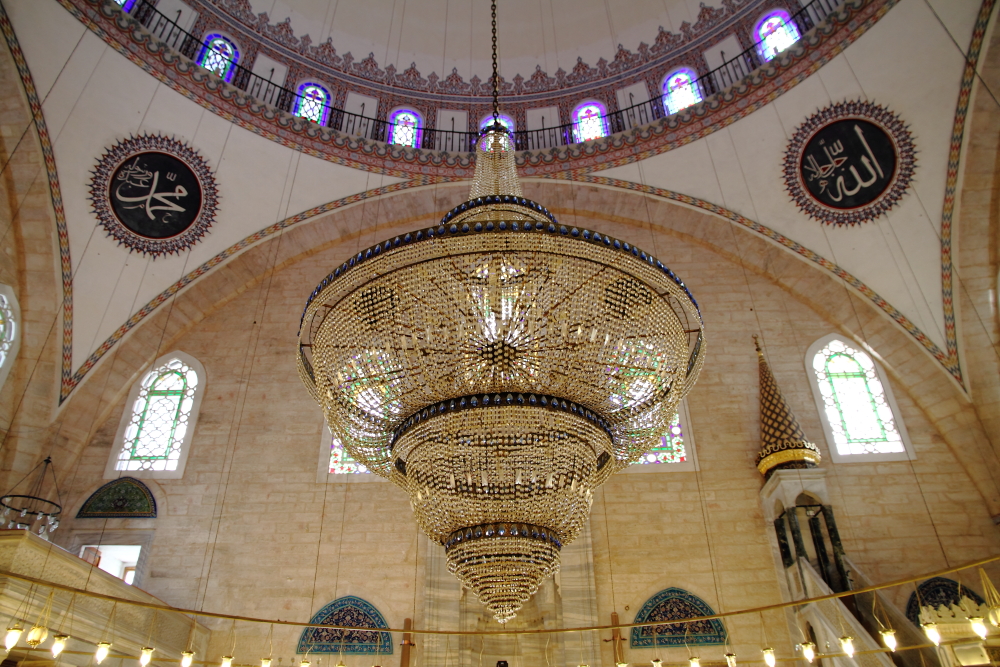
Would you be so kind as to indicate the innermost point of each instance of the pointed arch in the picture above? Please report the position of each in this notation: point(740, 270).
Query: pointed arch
point(123, 498)
point(347, 611)
point(675, 604)
point(938, 592)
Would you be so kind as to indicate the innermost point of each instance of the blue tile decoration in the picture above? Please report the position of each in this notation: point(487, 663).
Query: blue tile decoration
point(938, 592)
point(672, 604)
point(122, 498)
point(348, 611)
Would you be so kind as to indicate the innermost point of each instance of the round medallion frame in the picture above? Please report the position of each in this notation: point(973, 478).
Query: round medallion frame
point(887, 121)
point(109, 164)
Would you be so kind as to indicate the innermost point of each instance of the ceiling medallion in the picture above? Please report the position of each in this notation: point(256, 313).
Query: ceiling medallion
point(849, 163)
point(499, 367)
point(153, 194)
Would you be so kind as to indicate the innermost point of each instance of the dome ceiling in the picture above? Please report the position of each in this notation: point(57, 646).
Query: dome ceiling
point(439, 35)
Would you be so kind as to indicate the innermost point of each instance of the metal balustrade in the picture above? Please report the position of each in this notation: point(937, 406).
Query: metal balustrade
point(714, 81)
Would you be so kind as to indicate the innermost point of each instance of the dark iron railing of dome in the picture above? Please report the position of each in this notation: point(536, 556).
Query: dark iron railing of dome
point(714, 81)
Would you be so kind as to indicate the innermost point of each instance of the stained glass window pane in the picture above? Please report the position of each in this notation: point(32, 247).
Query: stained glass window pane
point(775, 34)
point(404, 129)
point(126, 5)
point(680, 91)
point(589, 123)
point(855, 401)
point(671, 448)
point(342, 463)
point(7, 328)
point(160, 417)
point(312, 103)
point(218, 56)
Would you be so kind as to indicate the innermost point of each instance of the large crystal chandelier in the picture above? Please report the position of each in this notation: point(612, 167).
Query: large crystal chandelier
point(498, 367)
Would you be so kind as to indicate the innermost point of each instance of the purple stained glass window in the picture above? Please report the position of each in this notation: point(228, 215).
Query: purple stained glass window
point(313, 103)
point(680, 91)
point(671, 448)
point(589, 122)
point(405, 128)
point(775, 33)
point(219, 55)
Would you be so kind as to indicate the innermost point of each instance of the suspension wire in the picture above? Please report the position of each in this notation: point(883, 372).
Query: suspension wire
point(496, 68)
point(707, 617)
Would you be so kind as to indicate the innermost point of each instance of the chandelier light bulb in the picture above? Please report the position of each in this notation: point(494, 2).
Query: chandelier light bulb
point(265, 662)
point(187, 657)
point(621, 664)
point(227, 661)
point(693, 661)
point(58, 644)
point(730, 660)
point(304, 663)
point(36, 635)
point(847, 645)
point(103, 648)
point(931, 630)
point(13, 634)
point(808, 651)
point(657, 662)
point(889, 639)
point(978, 624)
point(769, 656)
point(146, 655)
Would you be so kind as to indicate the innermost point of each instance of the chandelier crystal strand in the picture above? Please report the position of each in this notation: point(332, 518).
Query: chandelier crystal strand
point(499, 367)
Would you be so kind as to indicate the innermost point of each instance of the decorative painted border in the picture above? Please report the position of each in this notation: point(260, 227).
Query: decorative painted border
point(122, 151)
point(890, 123)
point(951, 180)
point(310, 641)
point(55, 192)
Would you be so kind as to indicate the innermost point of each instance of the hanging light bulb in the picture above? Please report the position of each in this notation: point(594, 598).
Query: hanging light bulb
point(103, 648)
point(930, 629)
point(808, 651)
point(730, 660)
point(13, 634)
point(227, 661)
point(265, 662)
point(340, 663)
point(145, 655)
point(769, 656)
point(36, 635)
point(187, 657)
point(694, 661)
point(657, 662)
point(621, 664)
point(978, 624)
point(58, 644)
point(889, 639)
point(847, 645)
point(304, 663)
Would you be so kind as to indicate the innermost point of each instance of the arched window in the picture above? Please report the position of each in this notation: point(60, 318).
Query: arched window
point(405, 128)
point(676, 447)
point(505, 120)
point(775, 33)
point(855, 402)
point(159, 419)
point(589, 121)
point(939, 592)
point(680, 91)
point(336, 464)
point(126, 5)
point(313, 103)
point(10, 331)
point(670, 604)
point(348, 611)
point(219, 55)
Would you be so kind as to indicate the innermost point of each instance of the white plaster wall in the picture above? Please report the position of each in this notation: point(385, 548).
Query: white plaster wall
point(92, 98)
point(907, 62)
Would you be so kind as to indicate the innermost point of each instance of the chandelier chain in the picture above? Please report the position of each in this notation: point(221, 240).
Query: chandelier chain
point(496, 69)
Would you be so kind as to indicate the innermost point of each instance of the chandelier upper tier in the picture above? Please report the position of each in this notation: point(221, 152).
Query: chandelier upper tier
point(498, 367)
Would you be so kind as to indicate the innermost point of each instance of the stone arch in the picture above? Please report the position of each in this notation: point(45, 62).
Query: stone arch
point(674, 604)
point(122, 498)
point(340, 233)
point(349, 611)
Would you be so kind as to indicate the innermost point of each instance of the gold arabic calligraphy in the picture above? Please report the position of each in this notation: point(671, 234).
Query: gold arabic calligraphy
point(135, 176)
point(834, 160)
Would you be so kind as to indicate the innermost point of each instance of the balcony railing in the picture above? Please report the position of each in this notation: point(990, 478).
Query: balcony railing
point(725, 75)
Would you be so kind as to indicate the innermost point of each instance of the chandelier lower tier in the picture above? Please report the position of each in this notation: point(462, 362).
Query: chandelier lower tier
point(498, 367)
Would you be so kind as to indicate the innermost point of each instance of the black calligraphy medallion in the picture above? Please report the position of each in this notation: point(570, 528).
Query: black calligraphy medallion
point(849, 163)
point(154, 195)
